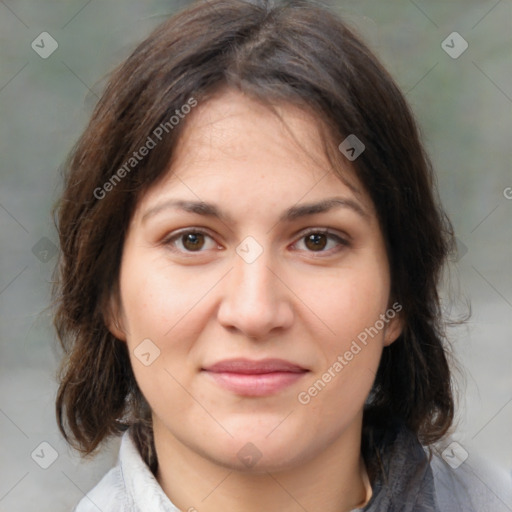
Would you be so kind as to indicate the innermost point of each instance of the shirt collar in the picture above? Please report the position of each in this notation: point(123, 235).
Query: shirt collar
point(406, 486)
point(142, 487)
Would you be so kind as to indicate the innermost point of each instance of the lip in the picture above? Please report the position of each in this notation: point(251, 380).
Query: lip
point(255, 378)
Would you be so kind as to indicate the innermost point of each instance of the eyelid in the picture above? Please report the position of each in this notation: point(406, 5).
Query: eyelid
point(324, 231)
point(171, 237)
point(188, 229)
point(343, 240)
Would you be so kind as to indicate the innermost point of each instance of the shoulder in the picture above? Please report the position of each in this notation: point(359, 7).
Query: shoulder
point(110, 495)
point(441, 478)
point(469, 483)
point(128, 487)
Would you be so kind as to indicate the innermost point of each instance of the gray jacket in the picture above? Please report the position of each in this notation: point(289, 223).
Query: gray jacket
point(413, 482)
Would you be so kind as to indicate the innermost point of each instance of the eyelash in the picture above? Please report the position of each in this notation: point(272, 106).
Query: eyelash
point(169, 241)
point(343, 242)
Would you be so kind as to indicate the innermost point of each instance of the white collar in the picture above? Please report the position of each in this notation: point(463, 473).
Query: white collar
point(142, 488)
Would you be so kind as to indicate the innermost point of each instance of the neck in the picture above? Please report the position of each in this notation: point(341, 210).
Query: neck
point(334, 480)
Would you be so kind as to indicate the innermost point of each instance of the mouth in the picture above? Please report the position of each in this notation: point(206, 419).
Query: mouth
point(246, 377)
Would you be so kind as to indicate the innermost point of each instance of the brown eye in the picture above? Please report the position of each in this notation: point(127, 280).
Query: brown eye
point(321, 241)
point(193, 241)
point(189, 241)
point(316, 241)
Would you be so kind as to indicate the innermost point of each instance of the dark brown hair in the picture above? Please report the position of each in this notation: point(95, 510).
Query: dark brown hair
point(293, 52)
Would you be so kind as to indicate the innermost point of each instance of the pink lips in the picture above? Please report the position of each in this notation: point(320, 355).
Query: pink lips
point(255, 378)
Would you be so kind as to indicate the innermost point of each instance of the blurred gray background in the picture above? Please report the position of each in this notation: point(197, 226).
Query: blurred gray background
point(463, 102)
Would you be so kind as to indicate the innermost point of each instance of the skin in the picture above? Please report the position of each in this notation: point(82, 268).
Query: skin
point(296, 301)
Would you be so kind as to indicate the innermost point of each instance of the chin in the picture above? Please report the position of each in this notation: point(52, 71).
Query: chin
point(253, 460)
point(259, 454)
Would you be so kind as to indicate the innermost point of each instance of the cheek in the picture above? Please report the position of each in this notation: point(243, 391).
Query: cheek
point(154, 310)
point(341, 382)
point(349, 302)
point(156, 300)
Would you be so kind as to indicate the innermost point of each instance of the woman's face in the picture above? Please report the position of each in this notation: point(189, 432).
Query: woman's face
point(254, 291)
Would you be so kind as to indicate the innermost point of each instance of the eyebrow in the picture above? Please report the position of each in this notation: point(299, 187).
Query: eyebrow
point(291, 214)
point(323, 206)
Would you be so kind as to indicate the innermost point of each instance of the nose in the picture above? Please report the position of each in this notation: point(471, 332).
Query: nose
point(255, 301)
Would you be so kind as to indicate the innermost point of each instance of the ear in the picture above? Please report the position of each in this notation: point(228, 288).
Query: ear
point(113, 316)
point(394, 327)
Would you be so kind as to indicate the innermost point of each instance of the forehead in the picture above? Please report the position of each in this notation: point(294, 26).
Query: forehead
point(232, 144)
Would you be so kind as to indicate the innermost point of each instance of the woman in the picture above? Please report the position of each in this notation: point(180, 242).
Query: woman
point(247, 290)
